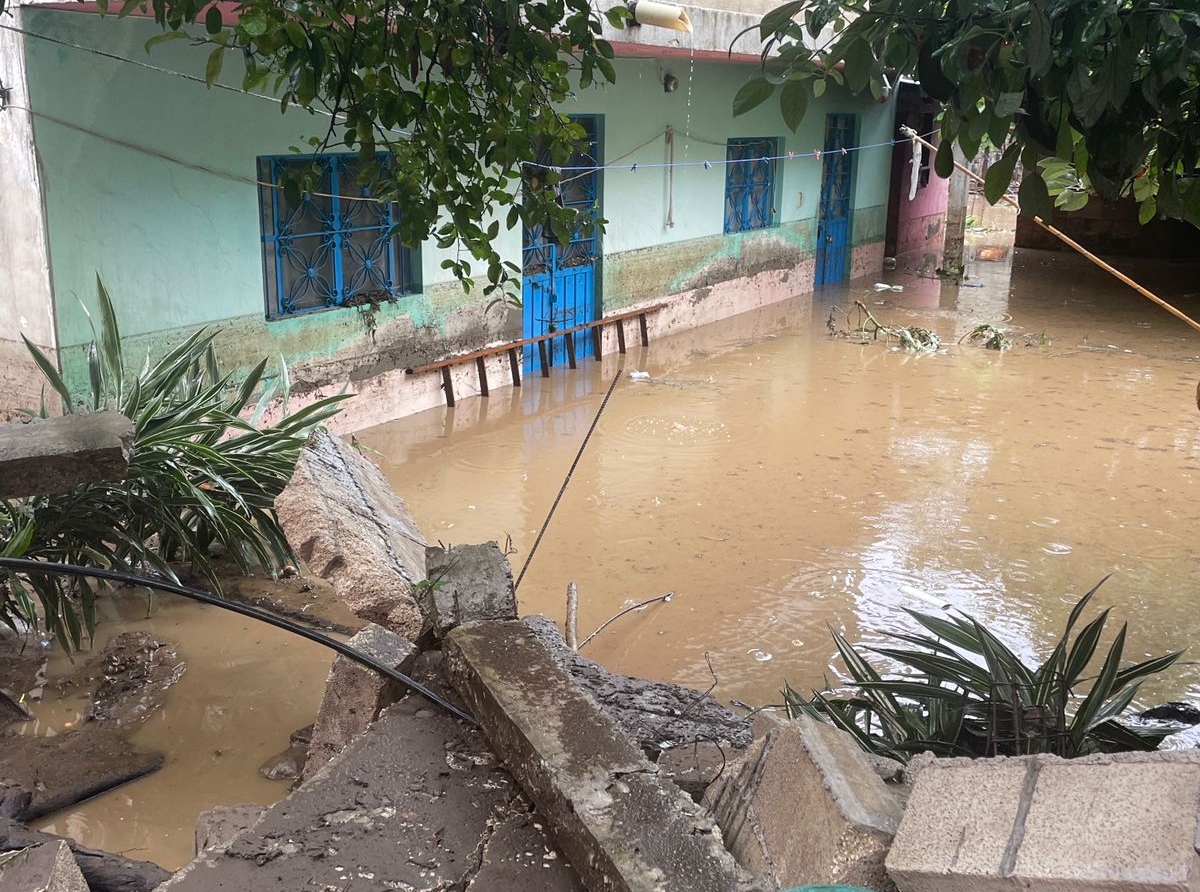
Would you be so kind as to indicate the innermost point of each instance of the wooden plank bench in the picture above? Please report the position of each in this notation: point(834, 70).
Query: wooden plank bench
point(512, 348)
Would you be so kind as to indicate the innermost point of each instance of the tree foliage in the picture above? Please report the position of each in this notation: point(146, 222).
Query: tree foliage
point(1105, 89)
point(458, 92)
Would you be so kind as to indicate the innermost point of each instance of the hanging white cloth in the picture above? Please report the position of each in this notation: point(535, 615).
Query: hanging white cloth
point(916, 170)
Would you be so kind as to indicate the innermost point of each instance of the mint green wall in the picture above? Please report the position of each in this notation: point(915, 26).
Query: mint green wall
point(636, 109)
point(178, 245)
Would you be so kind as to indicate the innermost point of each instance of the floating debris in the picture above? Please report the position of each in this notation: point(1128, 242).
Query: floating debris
point(883, 286)
point(639, 376)
point(987, 334)
point(910, 337)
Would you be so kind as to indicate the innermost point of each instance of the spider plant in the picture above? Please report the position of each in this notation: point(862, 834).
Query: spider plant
point(961, 691)
point(201, 473)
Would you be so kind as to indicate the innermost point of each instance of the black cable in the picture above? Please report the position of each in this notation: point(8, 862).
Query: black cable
point(574, 464)
point(27, 566)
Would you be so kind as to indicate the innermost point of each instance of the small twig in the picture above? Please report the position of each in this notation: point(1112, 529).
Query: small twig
point(572, 616)
point(712, 687)
point(612, 619)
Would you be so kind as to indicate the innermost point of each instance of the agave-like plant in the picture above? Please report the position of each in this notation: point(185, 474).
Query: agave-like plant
point(961, 691)
point(201, 473)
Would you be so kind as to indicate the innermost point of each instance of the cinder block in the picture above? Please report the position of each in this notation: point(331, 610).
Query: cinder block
point(1114, 822)
point(957, 825)
point(804, 806)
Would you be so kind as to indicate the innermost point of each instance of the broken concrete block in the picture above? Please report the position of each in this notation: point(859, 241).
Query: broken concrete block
point(409, 804)
point(804, 806)
point(51, 455)
point(102, 870)
point(218, 827)
point(354, 694)
point(468, 583)
point(653, 713)
point(693, 766)
point(519, 856)
point(41, 868)
point(1125, 821)
point(622, 827)
point(348, 526)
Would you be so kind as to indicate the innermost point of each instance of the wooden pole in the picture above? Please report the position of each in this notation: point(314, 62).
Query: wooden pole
point(572, 624)
point(1070, 242)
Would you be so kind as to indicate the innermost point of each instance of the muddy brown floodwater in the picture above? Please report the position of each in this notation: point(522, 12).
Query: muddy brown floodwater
point(779, 480)
point(247, 686)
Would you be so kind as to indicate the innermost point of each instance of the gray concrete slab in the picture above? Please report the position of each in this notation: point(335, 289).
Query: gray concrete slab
point(623, 827)
point(51, 455)
point(409, 805)
point(348, 526)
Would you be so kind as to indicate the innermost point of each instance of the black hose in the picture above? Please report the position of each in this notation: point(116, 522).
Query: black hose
point(28, 566)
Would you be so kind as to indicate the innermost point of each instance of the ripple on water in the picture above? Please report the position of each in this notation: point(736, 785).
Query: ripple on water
point(684, 432)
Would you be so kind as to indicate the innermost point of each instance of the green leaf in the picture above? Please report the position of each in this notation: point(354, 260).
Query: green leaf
point(51, 373)
point(1000, 174)
point(1147, 211)
point(818, 87)
point(778, 18)
point(213, 22)
point(212, 68)
point(254, 25)
point(1038, 46)
point(1034, 198)
point(163, 38)
point(860, 62)
point(943, 160)
point(752, 94)
point(1008, 103)
point(793, 102)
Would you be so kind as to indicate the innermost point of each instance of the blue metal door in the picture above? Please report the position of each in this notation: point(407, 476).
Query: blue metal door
point(559, 281)
point(833, 227)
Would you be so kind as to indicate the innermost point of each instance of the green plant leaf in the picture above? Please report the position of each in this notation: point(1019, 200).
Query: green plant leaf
point(48, 369)
point(753, 93)
point(1034, 197)
point(1000, 174)
point(793, 102)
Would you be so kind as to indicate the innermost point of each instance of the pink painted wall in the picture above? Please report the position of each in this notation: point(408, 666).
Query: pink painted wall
point(916, 228)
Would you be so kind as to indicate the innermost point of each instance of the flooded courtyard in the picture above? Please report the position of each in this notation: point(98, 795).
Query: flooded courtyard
point(779, 481)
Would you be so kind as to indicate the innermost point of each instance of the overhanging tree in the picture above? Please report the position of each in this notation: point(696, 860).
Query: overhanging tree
point(1108, 88)
point(456, 94)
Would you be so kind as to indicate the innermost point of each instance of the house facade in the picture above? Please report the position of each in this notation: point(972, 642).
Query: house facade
point(118, 163)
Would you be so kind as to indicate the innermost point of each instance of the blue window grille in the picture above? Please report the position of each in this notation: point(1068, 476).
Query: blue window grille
point(335, 247)
point(750, 184)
